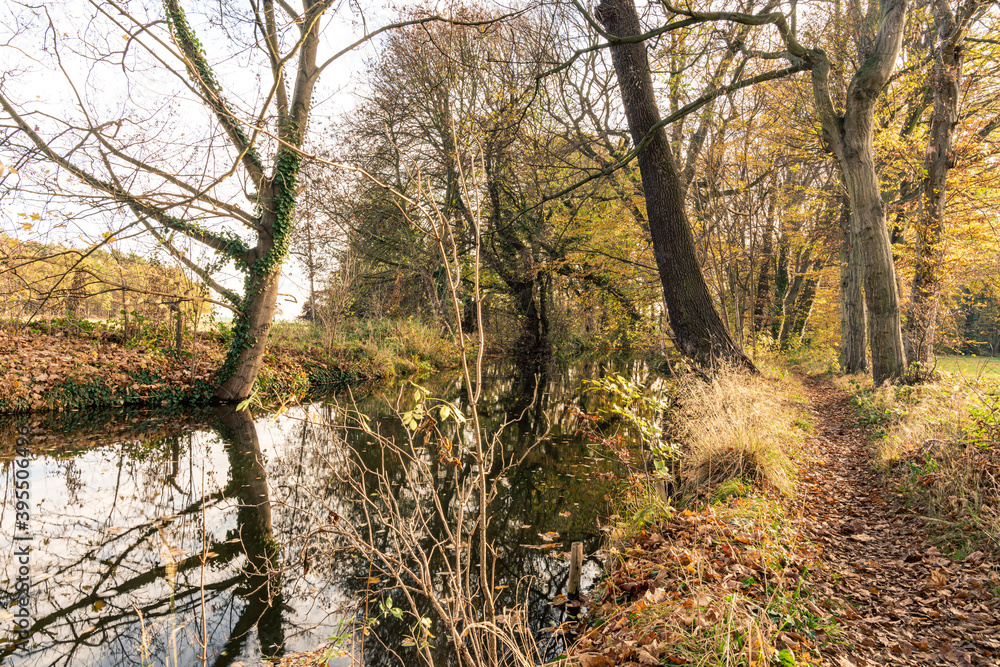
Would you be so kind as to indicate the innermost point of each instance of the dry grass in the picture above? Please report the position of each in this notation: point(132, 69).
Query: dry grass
point(721, 582)
point(736, 427)
point(939, 439)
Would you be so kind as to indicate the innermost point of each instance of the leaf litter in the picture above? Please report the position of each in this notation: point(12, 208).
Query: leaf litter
point(850, 579)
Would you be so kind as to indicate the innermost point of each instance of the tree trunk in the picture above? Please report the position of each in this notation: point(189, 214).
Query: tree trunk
point(531, 339)
point(853, 325)
point(699, 332)
point(246, 354)
point(794, 297)
point(178, 327)
point(946, 82)
point(77, 295)
point(780, 285)
point(804, 304)
point(851, 137)
point(761, 300)
point(869, 228)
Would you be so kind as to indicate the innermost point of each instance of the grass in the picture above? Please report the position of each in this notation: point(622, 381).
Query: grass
point(969, 366)
point(737, 427)
point(808, 359)
point(939, 441)
point(404, 345)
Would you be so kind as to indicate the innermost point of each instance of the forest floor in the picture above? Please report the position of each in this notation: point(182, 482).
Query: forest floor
point(842, 572)
point(902, 602)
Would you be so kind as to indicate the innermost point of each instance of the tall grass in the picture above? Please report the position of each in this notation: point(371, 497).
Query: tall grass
point(736, 427)
point(939, 439)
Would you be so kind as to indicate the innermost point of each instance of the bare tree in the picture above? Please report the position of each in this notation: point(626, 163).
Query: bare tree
point(233, 188)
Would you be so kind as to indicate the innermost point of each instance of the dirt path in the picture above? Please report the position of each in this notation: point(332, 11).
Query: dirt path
point(898, 600)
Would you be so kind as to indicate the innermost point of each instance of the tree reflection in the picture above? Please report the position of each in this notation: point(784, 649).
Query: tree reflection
point(122, 585)
point(272, 501)
point(248, 483)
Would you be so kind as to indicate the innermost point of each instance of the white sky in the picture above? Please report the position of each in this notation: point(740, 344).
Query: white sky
point(40, 87)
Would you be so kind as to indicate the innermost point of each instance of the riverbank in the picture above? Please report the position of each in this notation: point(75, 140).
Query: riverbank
point(70, 364)
point(718, 572)
point(879, 553)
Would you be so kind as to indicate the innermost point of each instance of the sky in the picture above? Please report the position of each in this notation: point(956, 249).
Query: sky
point(49, 72)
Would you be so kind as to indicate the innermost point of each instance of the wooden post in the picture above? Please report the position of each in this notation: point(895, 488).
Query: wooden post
point(662, 490)
point(575, 570)
point(179, 331)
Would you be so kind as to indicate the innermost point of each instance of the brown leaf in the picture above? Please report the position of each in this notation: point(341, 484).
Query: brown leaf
point(938, 579)
point(595, 660)
point(645, 658)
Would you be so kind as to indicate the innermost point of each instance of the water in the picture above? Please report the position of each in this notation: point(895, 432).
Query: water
point(159, 537)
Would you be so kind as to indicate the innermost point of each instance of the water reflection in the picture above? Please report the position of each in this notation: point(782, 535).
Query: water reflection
point(211, 538)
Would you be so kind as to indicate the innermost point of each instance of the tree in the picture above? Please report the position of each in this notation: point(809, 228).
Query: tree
point(127, 170)
point(443, 100)
point(945, 82)
point(233, 188)
point(698, 331)
point(850, 136)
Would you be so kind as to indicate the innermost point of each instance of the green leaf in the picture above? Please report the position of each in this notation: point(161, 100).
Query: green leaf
point(786, 658)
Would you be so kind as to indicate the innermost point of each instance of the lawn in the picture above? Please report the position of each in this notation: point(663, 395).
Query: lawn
point(970, 366)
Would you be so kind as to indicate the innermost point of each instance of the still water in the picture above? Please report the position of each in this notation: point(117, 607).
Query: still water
point(157, 538)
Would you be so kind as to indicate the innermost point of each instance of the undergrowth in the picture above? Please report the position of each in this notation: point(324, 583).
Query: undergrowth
point(940, 442)
point(713, 573)
point(736, 427)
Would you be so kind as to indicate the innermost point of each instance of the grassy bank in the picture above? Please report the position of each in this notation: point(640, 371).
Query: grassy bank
point(938, 442)
point(714, 574)
point(73, 364)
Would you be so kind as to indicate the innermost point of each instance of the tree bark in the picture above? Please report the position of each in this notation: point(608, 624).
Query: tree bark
point(853, 325)
point(799, 296)
point(804, 304)
point(761, 300)
point(851, 137)
point(698, 331)
point(257, 313)
point(946, 83)
point(780, 285)
point(278, 195)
